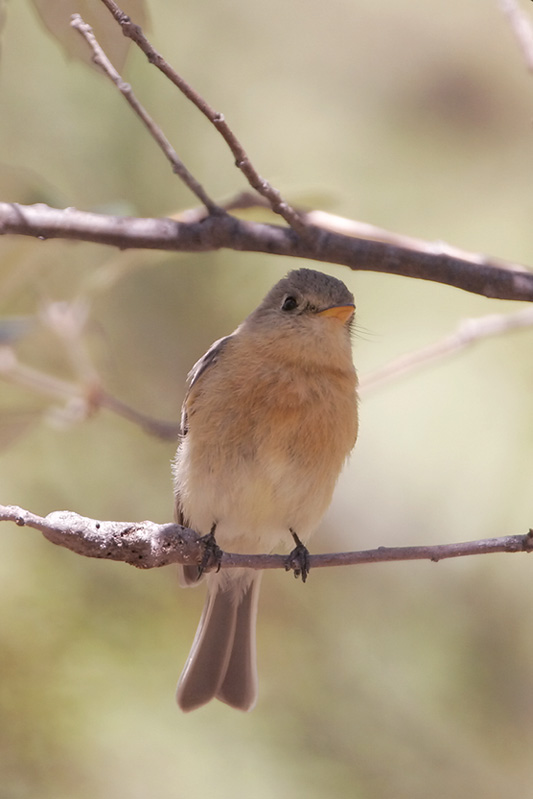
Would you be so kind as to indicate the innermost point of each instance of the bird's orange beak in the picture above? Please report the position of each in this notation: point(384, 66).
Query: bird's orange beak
point(341, 312)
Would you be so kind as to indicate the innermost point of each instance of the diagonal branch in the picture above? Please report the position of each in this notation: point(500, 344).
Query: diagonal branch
point(81, 399)
point(242, 161)
point(179, 168)
point(147, 545)
point(476, 273)
point(521, 28)
point(468, 332)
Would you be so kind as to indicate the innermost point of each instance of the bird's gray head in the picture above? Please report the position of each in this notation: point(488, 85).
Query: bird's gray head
point(305, 293)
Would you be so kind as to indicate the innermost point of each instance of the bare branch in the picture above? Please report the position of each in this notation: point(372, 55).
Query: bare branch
point(242, 161)
point(101, 60)
point(364, 230)
point(144, 544)
point(478, 274)
point(468, 332)
point(81, 399)
point(166, 431)
point(353, 228)
point(32, 379)
point(147, 545)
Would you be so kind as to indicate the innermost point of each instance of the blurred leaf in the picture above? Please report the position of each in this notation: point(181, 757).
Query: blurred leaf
point(56, 18)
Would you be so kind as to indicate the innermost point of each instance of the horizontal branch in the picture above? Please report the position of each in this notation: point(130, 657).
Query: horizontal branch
point(147, 545)
point(475, 273)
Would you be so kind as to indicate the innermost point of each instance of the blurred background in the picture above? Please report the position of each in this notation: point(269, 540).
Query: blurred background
point(390, 681)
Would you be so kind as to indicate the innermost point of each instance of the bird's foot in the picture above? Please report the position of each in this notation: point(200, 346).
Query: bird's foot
point(212, 556)
point(298, 559)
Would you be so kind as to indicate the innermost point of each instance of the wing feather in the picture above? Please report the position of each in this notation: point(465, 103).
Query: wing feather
point(208, 360)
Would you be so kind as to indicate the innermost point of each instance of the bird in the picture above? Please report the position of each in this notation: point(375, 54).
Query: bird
point(269, 418)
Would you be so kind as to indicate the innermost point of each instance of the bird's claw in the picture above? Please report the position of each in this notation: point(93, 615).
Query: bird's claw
point(298, 559)
point(212, 555)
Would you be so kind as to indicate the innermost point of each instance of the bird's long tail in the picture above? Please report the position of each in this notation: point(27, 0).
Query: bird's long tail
point(222, 660)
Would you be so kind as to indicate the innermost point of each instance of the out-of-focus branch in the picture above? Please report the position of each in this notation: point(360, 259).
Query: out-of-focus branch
point(477, 273)
point(147, 545)
point(521, 27)
point(166, 431)
point(81, 399)
point(468, 332)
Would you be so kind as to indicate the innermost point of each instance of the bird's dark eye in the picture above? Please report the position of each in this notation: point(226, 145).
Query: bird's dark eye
point(289, 303)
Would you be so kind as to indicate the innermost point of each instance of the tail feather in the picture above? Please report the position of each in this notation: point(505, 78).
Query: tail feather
point(222, 660)
point(239, 686)
point(189, 576)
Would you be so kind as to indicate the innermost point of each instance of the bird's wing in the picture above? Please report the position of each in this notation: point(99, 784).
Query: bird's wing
point(200, 368)
point(206, 362)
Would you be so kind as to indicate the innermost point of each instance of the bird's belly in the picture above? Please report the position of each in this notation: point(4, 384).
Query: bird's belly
point(270, 469)
point(255, 502)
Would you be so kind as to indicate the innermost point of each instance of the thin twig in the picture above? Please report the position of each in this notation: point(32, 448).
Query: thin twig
point(101, 60)
point(242, 161)
point(148, 545)
point(468, 332)
point(33, 379)
point(87, 396)
point(166, 431)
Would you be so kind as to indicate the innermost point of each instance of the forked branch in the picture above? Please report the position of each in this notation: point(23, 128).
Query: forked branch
point(476, 273)
point(242, 161)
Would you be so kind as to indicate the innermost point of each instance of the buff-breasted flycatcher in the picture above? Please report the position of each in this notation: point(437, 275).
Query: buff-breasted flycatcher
point(269, 418)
